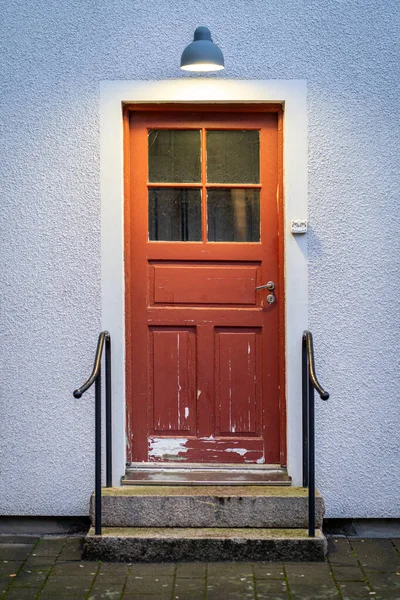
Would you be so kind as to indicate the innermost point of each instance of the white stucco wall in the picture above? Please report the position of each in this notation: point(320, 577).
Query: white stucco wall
point(54, 56)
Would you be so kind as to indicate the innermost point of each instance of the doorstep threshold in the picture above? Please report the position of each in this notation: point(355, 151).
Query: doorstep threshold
point(204, 466)
point(205, 474)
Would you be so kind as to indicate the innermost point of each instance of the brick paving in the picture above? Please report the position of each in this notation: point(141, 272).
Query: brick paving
point(51, 568)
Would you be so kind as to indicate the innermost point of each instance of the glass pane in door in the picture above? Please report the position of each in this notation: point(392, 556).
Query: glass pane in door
point(174, 156)
point(233, 156)
point(175, 214)
point(233, 215)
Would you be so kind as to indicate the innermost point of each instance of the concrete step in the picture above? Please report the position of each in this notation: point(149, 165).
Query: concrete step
point(207, 506)
point(205, 545)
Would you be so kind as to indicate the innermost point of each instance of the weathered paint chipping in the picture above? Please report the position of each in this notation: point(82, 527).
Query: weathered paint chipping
point(240, 451)
point(164, 447)
point(185, 449)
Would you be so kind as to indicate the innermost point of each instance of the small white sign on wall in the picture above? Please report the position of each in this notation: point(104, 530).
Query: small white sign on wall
point(298, 226)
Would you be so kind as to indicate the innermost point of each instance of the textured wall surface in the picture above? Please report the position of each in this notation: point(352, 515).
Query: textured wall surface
point(53, 57)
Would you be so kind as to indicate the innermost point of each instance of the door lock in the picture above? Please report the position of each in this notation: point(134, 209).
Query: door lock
point(270, 286)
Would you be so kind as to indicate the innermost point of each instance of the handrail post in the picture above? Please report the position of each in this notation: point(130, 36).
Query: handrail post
point(309, 383)
point(305, 389)
point(108, 414)
point(97, 490)
point(311, 461)
point(95, 378)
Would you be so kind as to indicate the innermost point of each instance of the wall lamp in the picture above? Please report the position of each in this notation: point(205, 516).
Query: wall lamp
point(202, 54)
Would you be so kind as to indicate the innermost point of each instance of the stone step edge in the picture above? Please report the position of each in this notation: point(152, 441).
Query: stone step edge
point(209, 490)
point(146, 545)
point(204, 533)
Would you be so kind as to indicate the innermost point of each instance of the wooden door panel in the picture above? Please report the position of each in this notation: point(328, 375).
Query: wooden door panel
point(215, 450)
point(188, 283)
point(173, 380)
point(237, 381)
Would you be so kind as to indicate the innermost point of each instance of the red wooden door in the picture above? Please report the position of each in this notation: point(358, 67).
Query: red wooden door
point(204, 369)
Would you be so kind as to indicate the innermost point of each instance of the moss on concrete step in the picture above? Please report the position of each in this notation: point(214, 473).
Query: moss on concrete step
point(203, 533)
point(207, 490)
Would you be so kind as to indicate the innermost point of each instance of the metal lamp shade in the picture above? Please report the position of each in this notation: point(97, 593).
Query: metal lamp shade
point(202, 54)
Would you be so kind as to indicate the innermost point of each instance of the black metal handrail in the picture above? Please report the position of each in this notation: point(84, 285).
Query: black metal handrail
point(95, 377)
point(309, 383)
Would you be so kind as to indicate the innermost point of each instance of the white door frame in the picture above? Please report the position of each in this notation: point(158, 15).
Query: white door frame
point(292, 94)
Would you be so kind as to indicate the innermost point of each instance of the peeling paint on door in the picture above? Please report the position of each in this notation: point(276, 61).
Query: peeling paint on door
point(165, 447)
point(240, 451)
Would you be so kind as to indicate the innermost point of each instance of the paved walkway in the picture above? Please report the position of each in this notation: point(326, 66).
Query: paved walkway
point(51, 568)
